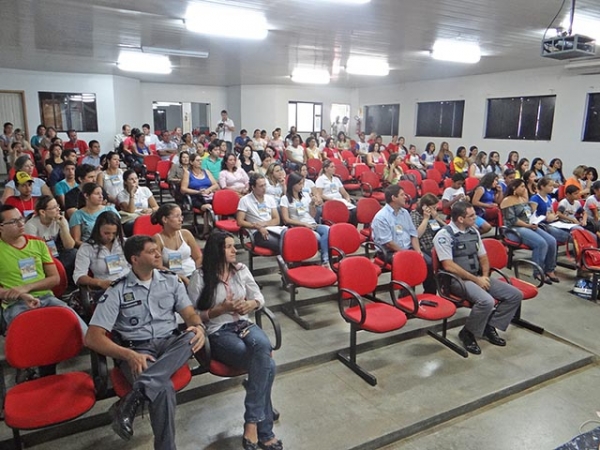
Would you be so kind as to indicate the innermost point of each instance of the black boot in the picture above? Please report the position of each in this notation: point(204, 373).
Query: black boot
point(124, 413)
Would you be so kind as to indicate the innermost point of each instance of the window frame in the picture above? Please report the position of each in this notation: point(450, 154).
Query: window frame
point(75, 106)
point(455, 124)
point(522, 123)
point(592, 106)
point(315, 117)
point(395, 124)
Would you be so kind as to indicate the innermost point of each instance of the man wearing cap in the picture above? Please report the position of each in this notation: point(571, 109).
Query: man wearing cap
point(24, 202)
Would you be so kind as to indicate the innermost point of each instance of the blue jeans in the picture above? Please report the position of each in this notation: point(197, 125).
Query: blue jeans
point(252, 353)
point(323, 232)
point(543, 246)
point(559, 234)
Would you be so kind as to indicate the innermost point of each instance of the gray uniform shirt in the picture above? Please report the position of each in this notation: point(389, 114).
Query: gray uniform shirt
point(139, 313)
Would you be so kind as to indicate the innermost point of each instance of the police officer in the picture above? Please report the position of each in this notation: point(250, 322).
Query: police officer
point(461, 252)
point(139, 311)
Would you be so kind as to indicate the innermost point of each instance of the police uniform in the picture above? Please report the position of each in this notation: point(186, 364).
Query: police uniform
point(141, 316)
point(465, 248)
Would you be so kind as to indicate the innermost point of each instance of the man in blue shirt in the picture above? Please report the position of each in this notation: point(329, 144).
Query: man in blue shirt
point(241, 141)
point(394, 230)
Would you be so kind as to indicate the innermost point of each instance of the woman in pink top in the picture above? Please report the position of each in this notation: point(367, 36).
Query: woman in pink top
point(232, 177)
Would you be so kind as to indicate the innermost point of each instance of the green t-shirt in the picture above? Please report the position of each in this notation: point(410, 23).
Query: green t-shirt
point(25, 265)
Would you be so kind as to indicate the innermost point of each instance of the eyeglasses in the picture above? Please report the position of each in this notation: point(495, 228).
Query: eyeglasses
point(20, 220)
point(50, 208)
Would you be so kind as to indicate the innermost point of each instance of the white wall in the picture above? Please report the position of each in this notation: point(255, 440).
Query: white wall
point(569, 116)
point(127, 92)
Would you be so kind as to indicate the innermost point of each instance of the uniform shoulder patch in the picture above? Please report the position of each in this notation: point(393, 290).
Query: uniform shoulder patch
point(167, 272)
point(118, 280)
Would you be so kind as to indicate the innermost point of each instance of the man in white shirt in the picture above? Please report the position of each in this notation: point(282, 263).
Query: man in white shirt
point(149, 138)
point(225, 129)
point(166, 147)
point(124, 134)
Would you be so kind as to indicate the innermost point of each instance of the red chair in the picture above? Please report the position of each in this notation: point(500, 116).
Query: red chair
point(314, 167)
point(561, 192)
point(409, 270)
point(121, 385)
point(357, 279)
point(411, 191)
point(447, 183)
point(470, 184)
point(298, 245)
point(370, 185)
point(60, 289)
point(12, 172)
point(379, 169)
point(348, 157)
point(498, 259)
point(417, 175)
point(441, 167)
point(404, 167)
point(162, 169)
point(253, 250)
point(366, 208)
point(225, 203)
point(344, 175)
point(430, 187)
point(359, 169)
point(344, 240)
point(151, 164)
point(42, 337)
point(434, 174)
point(334, 211)
point(143, 225)
point(511, 238)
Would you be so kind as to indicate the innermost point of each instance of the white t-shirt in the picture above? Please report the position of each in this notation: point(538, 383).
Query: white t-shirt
point(331, 189)
point(151, 139)
point(309, 185)
point(141, 198)
point(591, 205)
point(275, 190)
point(569, 209)
point(35, 227)
point(113, 184)
point(257, 211)
point(298, 210)
point(451, 193)
point(226, 134)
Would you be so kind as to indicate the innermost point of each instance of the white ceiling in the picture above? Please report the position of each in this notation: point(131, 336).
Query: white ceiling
point(86, 36)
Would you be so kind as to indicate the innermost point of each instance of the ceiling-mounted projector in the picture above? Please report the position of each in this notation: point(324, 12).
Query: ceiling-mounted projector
point(569, 47)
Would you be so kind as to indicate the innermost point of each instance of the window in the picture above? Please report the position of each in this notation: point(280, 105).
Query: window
point(440, 119)
point(382, 119)
point(592, 119)
point(528, 118)
point(305, 116)
point(65, 111)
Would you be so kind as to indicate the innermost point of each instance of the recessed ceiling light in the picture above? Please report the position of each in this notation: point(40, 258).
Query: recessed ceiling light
point(141, 62)
point(226, 21)
point(174, 52)
point(310, 76)
point(362, 65)
point(456, 51)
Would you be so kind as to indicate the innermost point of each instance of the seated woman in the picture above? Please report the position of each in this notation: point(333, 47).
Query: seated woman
point(266, 161)
point(82, 221)
point(180, 252)
point(461, 162)
point(246, 160)
point(414, 161)
point(295, 153)
point(176, 171)
point(530, 180)
point(134, 201)
point(50, 225)
point(276, 181)
point(25, 164)
point(555, 172)
point(537, 166)
point(200, 185)
point(310, 189)
point(343, 143)
point(576, 180)
point(330, 188)
point(494, 164)
point(393, 171)
point(100, 260)
point(312, 150)
point(512, 160)
point(54, 159)
point(517, 212)
point(487, 198)
point(589, 177)
point(231, 177)
point(300, 210)
point(224, 292)
point(428, 156)
point(375, 156)
point(330, 151)
point(427, 222)
point(444, 154)
point(544, 202)
point(479, 168)
point(111, 177)
point(522, 167)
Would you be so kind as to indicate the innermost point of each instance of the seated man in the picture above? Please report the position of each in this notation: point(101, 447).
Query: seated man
point(25, 202)
point(461, 252)
point(394, 230)
point(80, 146)
point(28, 272)
point(93, 156)
point(73, 199)
point(57, 173)
point(257, 211)
point(65, 185)
point(455, 193)
point(166, 147)
point(139, 310)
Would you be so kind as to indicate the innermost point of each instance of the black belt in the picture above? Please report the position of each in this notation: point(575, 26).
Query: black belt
point(131, 343)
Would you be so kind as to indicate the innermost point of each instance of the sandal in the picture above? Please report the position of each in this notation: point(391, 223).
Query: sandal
point(275, 445)
point(247, 445)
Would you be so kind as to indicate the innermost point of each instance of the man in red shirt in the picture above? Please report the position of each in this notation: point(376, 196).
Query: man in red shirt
point(73, 143)
point(25, 202)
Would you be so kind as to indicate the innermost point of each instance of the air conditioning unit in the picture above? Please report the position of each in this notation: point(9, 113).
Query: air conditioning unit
point(587, 67)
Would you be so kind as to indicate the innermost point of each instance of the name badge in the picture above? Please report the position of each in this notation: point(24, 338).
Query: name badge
point(300, 208)
point(175, 261)
point(434, 225)
point(115, 179)
point(263, 211)
point(114, 264)
point(333, 187)
point(52, 247)
point(27, 268)
point(128, 297)
point(528, 212)
point(399, 229)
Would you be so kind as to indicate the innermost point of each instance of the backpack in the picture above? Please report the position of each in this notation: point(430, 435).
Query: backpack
point(582, 240)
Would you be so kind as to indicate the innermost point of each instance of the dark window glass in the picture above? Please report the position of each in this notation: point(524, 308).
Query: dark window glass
point(65, 111)
point(440, 119)
point(382, 119)
point(592, 119)
point(528, 118)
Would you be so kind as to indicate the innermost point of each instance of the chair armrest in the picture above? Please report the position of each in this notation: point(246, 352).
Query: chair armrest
point(274, 323)
point(99, 374)
point(335, 258)
point(512, 234)
point(284, 269)
point(499, 272)
point(366, 189)
point(246, 234)
point(444, 279)
point(379, 248)
point(536, 269)
point(403, 286)
point(355, 297)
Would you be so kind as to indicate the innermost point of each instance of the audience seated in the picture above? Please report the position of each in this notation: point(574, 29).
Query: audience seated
point(555, 171)
point(576, 180)
point(67, 183)
point(111, 177)
point(545, 208)
point(177, 170)
point(232, 177)
point(295, 153)
point(375, 156)
point(57, 173)
point(80, 146)
point(461, 162)
point(25, 164)
point(592, 209)
point(134, 201)
point(84, 174)
point(82, 221)
point(25, 202)
point(275, 177)
point(331, 189)
point(393, 170)
point(55, 158)
point(487, 197)
point(93, 156)
point(479, 167)
point(428, 222)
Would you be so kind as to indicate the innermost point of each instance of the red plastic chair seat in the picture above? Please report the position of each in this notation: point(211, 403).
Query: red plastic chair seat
point(529, 290)
point(381, 318)
point(229, 225)
point(443, 310)
point(223, 370)
point(382, 264)
point(351, 186)
point(180, 379)
point(259, 251)
point(49, 400)
point(312, 277)
point(515, 244)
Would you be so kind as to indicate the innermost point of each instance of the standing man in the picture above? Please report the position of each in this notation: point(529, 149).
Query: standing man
point(120, 137)
point(225, 129)
point(394, 230)
point(461, 252)
point(139, 311)
point(73, 143)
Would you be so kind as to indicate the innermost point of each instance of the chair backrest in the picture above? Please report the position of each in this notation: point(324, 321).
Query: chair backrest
point(143, 225)
point(409, 266)
point(404, 167)
point(225, 202)
point(496, 252)
point(434, 174)
point(379, 169)
point(314, 167)
point(298, 244)
point(371, 178)
point(471, 183)
point(440, 166)
point(435, 262)
point(417, 175)
point(335, 212)
point(163, 168)
point(342, 172)
point(430, 187)
point(409, 188)
point(366, 208)
point(358, 274)
point(561, 192)
point(347, 155)
point(43, 336)
point(61, 287)
point(359, 169)
point(447, 183)
point(151, 162)
point(344, 236)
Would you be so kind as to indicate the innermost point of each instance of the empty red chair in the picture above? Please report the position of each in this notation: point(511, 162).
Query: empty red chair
point(314, 167)
point(447, 183)
point(143, 225)
point(409, 270)
point(151, 164)
point(359, 169)
point(471, 183)
point(334, 211)
point(366, 208)
point(404, 167)
point(298, 246)
point(430, 187)
point(379, 169)
point(162, 169)
point(434, 174)
point(344, 175)
point(370, 184)
point(441, 167)
point(349, 157)
point(344, 240)
point(225, 204)
point(357, 278)
point(411, 191)
point(417, 175)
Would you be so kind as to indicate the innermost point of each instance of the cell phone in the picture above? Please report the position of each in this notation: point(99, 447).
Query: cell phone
point(244, 332)
point(428, 303)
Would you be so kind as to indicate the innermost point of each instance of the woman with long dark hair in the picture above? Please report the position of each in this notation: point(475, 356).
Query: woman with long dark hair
point(555, 171)
point(83, 220)
point(487, 197)
point(225, 292)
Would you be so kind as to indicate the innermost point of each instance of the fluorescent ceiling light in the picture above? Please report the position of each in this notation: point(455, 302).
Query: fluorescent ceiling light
point(584, 25)
point(362, 65)
point(456, 51)
point(174, 52)
point(310, 76)
point(226, 21)
point(141, 62)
